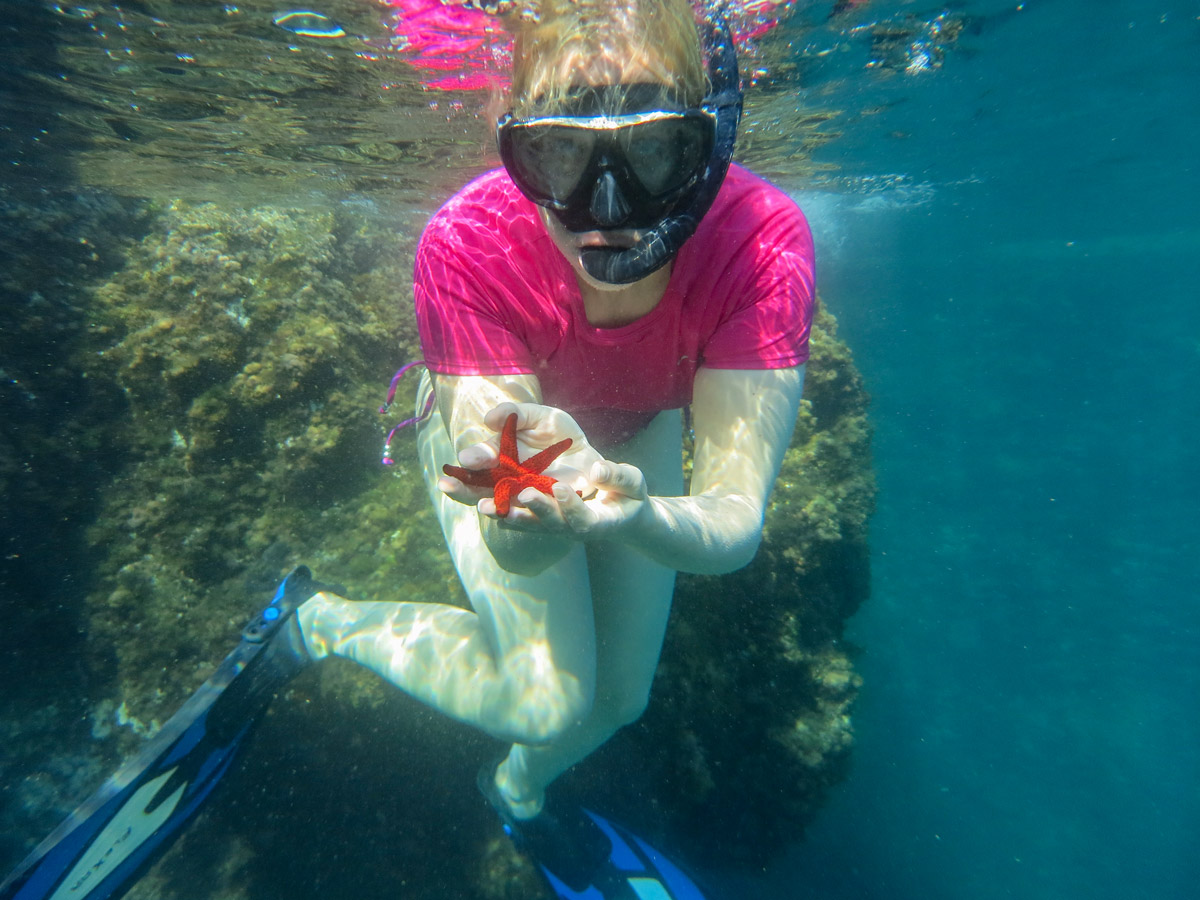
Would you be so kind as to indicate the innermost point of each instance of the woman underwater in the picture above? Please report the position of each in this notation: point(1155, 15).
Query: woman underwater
point(616, 270)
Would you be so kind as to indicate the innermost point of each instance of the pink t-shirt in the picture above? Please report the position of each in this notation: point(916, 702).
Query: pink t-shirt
point(494, 296)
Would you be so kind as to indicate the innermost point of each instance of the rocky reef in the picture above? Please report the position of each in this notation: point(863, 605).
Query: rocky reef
point(54, 451)
point(252, 349)
point(235, 359)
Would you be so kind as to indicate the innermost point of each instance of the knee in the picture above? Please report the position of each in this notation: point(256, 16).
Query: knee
point(547, 709)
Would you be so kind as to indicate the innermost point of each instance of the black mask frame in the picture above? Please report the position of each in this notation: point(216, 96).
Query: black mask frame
point(654, 158)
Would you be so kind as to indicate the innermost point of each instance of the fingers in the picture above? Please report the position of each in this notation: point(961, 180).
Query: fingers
point(457, 491)
point(615, 492)
point(565, 512)
point(531, 510)
point(622, 488)
point(498, 415)
point(619, 478)
point(544, 508)
point(574, 512)
point(541, 424)
point(478, 456)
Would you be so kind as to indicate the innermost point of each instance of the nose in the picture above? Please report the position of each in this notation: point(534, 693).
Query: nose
point(609, 206)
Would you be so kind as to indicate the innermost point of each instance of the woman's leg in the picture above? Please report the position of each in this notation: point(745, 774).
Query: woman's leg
point(631, 597)
point(520, 667)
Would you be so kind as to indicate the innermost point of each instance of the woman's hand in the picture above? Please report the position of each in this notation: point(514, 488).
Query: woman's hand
point(538, 427)
point(620, 498)
point(592, 495)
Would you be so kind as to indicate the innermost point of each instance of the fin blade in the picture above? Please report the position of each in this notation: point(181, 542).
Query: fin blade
point(100, 849)
point(96, 850)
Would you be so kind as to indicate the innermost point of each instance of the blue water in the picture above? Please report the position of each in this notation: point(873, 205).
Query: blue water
point(1024, 307)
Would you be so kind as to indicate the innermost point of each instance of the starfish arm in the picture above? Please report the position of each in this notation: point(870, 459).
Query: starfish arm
point(543, 483)
point(503, 495)
point(509, 476)
point(508, 439)
point(540, 461)
point(506, 468)
point(514, 486)
point(473, 477)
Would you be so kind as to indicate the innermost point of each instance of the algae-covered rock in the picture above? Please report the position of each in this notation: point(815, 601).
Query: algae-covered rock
point(252, 348)
point(54, 450)
point(246, 352)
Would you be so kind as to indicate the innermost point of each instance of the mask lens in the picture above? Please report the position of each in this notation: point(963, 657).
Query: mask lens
point(551, 159)
point(665, 153)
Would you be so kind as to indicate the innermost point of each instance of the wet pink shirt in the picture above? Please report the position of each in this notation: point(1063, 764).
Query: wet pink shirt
point(494, 296)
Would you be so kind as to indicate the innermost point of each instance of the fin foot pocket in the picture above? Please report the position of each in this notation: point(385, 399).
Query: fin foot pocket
point(583, 856)
point(567, 843)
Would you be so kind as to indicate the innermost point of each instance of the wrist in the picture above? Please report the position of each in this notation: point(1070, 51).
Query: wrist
point(641, 527)
point(522, 552)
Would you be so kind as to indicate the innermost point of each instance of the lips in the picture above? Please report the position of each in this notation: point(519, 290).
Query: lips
point(606, 240)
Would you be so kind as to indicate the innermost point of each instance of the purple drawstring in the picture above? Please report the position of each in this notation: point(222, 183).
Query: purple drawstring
point(387, 404)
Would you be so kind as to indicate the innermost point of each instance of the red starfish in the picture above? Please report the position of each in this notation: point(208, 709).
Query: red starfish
point(510, 475)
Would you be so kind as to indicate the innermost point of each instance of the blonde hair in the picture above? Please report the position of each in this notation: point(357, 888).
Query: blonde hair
point(556, 41)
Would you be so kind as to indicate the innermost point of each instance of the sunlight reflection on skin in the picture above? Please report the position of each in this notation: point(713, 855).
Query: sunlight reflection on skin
point(557, 661)
point(535, 661)
point(440, 655)
point(522, 667)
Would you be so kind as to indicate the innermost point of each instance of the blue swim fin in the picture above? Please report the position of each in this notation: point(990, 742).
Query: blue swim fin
point(633, 871)
point(584, 856)
point(101, 849)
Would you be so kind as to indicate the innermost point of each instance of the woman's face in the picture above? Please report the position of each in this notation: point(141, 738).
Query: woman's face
point(571, 243)
point(598, 71)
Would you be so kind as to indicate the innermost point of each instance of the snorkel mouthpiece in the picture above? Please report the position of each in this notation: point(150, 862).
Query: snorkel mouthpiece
point(658, 244)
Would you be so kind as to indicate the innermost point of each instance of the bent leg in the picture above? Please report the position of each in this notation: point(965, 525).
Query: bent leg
point(520, 667)
point(631, 597)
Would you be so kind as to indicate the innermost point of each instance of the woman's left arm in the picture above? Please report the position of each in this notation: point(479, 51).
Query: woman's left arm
point(743, 421)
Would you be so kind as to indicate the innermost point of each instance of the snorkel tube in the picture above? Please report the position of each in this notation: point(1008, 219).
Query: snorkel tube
point(657, 246)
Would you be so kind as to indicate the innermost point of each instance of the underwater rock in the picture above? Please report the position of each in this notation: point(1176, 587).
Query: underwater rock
point(54, 447)
point(251, 348)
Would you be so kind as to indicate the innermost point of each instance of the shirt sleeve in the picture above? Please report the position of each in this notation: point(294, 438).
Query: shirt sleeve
point(462, 321)
point(771, 286)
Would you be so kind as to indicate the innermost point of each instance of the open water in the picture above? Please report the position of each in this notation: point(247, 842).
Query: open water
point(1008, 232)
point(1026, 316)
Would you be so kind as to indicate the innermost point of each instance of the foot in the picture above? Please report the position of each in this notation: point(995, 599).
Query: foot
point(278, 626)
point(564, 842)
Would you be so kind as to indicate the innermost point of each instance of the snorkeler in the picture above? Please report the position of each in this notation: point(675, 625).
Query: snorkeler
point(617, 269)
point(614, 271)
